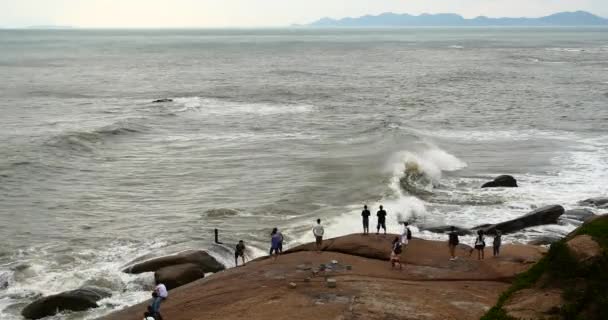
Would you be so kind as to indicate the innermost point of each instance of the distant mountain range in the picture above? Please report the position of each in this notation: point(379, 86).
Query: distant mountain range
point(578, 18)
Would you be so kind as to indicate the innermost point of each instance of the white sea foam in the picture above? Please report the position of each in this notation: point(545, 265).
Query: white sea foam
point(220, 107)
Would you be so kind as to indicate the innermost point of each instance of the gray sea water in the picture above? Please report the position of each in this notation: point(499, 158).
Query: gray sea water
point(276, 128)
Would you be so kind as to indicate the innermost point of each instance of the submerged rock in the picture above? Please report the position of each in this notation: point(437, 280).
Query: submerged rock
point(200, 258)
point(579, 214)
point(162, 100)
point(598, 202)
point(501, 181)
point(541, 216)
point(76, 300)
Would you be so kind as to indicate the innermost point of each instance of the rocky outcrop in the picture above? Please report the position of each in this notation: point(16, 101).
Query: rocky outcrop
point(534, 304)
point(541, 216)
point(363, 286)
point(504, 181)
point(179, 275)
point(200, 258)
point(597, 202)
point(584, 249)
point(75, 300)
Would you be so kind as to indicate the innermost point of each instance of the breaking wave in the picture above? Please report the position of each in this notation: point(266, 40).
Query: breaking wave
point(87, 140)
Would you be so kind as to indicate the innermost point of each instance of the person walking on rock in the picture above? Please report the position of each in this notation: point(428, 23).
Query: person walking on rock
point(365, 214)
point(381, 220)
point(275, 240)
point(318, 232)
point(480, 244)
point(497, 243)
point(453, 242)
point(396, 253)
point(239, 252)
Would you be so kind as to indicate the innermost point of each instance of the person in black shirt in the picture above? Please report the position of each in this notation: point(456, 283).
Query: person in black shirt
point(381, 220)
point(239, 252)
point(453, 242)
point(365, 214)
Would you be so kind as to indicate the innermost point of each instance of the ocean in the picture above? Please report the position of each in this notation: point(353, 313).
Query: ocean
point(276, 128)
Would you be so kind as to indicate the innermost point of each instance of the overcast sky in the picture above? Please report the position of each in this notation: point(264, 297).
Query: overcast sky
point(259, 13)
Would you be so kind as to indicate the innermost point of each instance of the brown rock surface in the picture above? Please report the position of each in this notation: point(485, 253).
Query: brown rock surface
point(429, 286)
point(179, 275)
point(584, 248)
point(534, 304)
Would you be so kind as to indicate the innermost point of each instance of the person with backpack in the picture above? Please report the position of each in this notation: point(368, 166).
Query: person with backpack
point(480, 244)
point(396, 253)
point(365, 214)
point(497, 243)
point(381, 220)
point(453, 242)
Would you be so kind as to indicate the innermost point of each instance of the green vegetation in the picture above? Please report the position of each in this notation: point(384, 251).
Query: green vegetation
point(585, 287)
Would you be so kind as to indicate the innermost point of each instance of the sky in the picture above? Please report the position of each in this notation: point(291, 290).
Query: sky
point(258, 13)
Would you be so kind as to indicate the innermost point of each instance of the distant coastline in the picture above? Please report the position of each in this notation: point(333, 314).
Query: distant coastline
point(578, 18)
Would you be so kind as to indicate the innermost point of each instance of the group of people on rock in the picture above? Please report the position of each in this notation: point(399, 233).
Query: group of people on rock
point(480, 244)
point(398, 245)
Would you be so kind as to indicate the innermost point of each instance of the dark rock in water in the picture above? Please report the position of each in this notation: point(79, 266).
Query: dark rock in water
point(501, 181)
point(598, 202)
point(221, 213)
point(200, 258)
point(579, 214)
point(162, 100)
point(179, 275)
point(76, 300)
point(447, 229)
point(544, 215)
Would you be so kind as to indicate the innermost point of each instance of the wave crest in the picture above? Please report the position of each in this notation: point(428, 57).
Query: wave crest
point(87, 140)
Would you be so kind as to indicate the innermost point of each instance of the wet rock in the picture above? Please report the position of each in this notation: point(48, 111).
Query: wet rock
point(597, 202)
point(505, 181)
point(164, 100)
point(541, 216)
point(584, 248)
point(179, 275)
point(579, 214)
point(544, 240)
point(447, 229)
point(200, 258)
point(331, 283)
point(75, 300)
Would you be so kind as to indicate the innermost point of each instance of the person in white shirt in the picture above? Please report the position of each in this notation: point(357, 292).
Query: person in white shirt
point(406, 235)
point(318, 231)
point(161, 290)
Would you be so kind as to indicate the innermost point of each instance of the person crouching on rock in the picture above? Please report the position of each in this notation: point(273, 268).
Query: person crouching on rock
point(275, 240)
point(396, 253)
point(497, 243)
point(452, 243)
point(318, 232)
point(480, 244)
point(239, 251)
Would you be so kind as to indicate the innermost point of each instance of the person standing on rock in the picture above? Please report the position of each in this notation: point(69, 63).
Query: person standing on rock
point(239, 252)
point(396, 253)
point(406, 236)
point(318, 232)
point(280, 242)
point(497, 243)
point(365, 214)
point(480, 244)
point(453, 242)
point(275, 240)
point(381, 220)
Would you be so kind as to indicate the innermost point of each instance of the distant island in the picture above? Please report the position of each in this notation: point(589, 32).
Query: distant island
point(578, 18)
point(52, 27)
